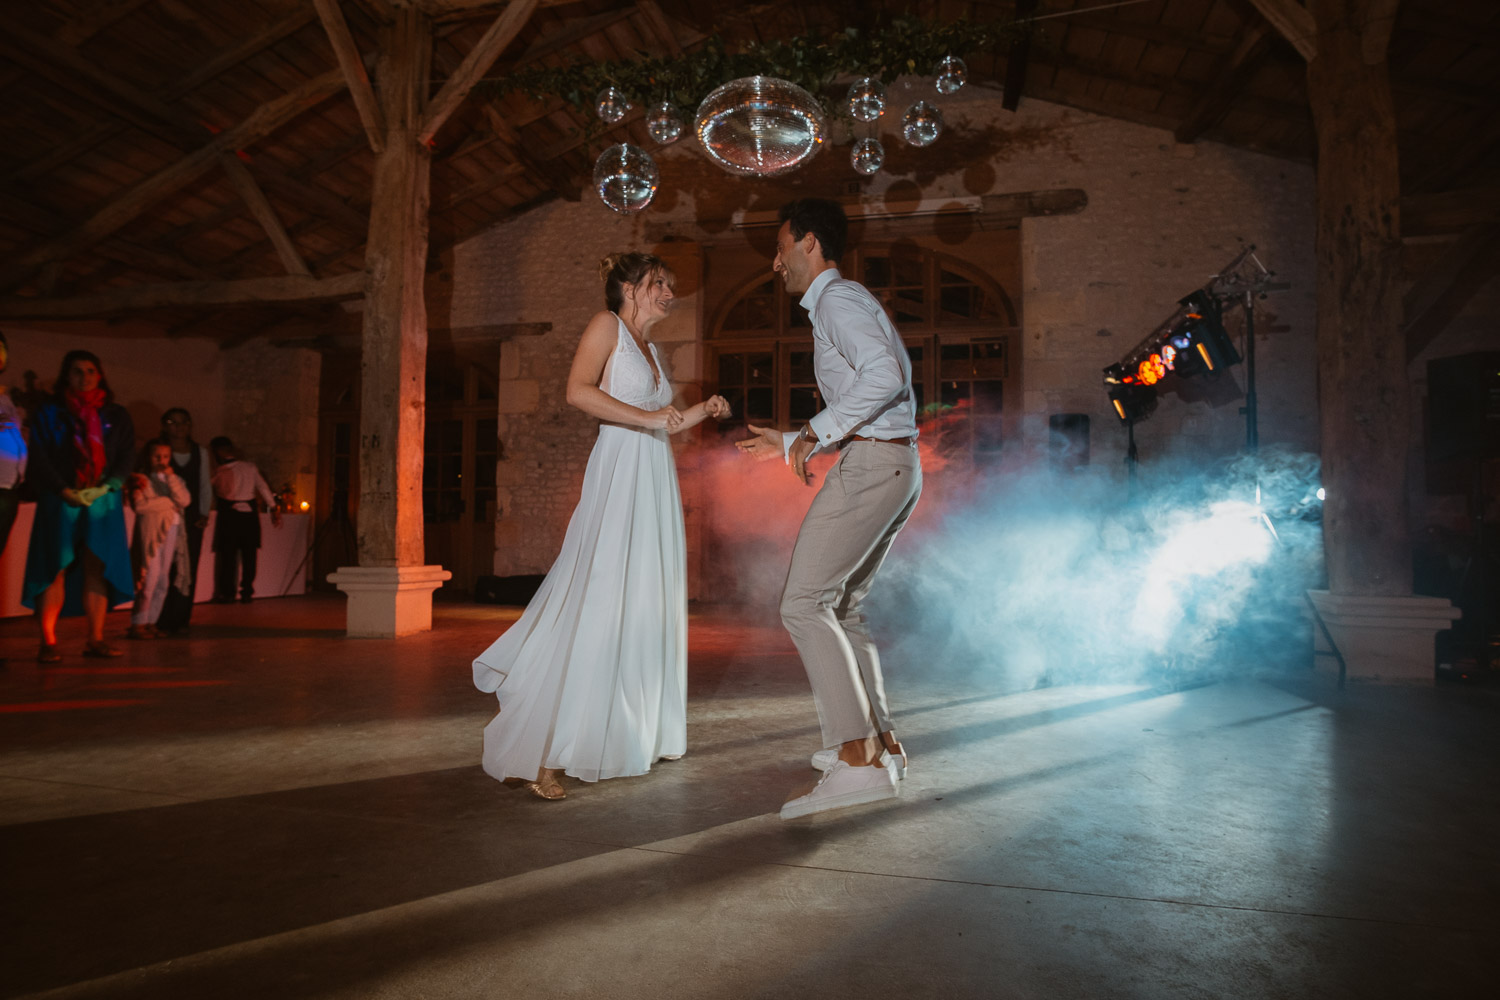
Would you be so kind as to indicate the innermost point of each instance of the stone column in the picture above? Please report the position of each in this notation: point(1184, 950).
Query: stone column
point(390, 591)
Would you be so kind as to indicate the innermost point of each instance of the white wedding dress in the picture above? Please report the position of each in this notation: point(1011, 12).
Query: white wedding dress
point(593, 677)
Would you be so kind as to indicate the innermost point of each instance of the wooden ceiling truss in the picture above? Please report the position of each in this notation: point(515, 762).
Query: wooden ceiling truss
point(229, 146)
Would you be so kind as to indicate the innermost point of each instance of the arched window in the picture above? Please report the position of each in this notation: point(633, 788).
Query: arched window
point(958, 323)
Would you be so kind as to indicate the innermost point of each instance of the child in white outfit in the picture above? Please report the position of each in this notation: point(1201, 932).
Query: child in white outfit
point(158, 496)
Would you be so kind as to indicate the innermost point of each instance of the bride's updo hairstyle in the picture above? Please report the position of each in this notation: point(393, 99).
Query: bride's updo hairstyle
point(621, 269)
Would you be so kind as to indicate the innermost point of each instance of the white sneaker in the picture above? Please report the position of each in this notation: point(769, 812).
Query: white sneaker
point(841, 786)
point(823, 760)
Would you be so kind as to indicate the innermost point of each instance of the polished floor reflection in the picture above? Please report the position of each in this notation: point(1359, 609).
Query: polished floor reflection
point(266, 809)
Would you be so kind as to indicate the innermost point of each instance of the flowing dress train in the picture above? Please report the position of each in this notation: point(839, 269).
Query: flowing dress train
point(592, 678)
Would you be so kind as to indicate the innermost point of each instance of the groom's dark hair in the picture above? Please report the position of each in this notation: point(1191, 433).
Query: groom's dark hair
point(823, 218)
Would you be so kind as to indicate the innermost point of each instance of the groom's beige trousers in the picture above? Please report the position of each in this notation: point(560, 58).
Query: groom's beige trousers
point(866, 498)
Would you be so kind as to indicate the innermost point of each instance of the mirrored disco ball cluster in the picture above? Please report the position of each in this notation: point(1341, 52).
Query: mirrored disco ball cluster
point(920, 126)
point(759, 126)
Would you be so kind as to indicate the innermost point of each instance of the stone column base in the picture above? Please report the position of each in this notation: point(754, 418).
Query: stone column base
point(387, 601)
point(1383, 638)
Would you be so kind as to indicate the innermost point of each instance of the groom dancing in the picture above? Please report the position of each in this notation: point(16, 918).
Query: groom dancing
point(864, 376)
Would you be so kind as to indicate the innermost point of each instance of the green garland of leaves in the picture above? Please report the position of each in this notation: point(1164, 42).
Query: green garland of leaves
point(909, 45)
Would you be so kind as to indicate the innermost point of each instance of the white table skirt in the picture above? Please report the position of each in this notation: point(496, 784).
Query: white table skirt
point(283, 566)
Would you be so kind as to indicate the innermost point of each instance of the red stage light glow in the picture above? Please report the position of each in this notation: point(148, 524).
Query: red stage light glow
point(1152, 371)
point(67, 706)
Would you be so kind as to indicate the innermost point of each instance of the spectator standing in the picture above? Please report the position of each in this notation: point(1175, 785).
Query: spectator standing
point(238, 485)
point(82, 445)
point(190, 461)
point(159, 550)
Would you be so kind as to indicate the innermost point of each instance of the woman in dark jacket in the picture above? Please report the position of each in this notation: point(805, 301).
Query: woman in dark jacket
point(82, 447)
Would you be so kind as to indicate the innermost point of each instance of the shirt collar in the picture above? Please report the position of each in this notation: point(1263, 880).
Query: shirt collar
point(815, 290)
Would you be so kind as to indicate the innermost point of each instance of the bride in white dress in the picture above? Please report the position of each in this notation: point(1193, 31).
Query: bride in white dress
point(592, 680)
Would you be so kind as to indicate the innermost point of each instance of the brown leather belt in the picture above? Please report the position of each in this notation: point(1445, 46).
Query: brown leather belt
point(860, 437)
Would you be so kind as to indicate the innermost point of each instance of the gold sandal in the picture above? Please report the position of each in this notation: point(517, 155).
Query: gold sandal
point(545, 787)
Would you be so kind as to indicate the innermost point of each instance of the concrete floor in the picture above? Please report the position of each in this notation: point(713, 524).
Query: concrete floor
point(268, 810)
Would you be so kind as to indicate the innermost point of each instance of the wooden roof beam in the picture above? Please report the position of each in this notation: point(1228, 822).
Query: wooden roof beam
point(262, 122)
point(462, 10)
point(543, 172)
point(571, 33)
point(663, 28)
point(260, 207)
point(70, 71)
point(1237, 72)
point(1434, 301)
point(1019, 59)
point(475, 65)
point(283, 290)
point(86, 24)
point(353, 67)
point(226, 60)
point(1293, 22)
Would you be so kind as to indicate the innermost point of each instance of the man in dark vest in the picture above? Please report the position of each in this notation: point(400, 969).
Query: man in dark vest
point(238, 488)
point(189, 461)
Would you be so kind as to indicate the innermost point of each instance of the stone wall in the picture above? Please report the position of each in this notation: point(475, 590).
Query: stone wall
point(271, 412)
point(1161, 219)
point(544, 267)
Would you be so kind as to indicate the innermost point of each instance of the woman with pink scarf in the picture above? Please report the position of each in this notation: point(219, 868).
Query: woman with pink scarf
point(82, 446)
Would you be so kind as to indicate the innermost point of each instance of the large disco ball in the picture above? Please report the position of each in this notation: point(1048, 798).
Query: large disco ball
point(760, 126)
point(625, 177)
point(922, 125)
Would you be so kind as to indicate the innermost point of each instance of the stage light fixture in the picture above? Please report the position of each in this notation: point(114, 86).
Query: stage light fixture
point(1191, 342)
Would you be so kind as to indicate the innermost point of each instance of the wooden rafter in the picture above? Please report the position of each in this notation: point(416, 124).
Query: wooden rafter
point(1019, 59)
point(545, 173)
point(1469, 264)
point(260, 207)
point(66, 68)
point(1293, 22)
point(661, 25)
point(86, 24)
point(447, 10)
point(353, 67)
point(570, 34)
point(91, 137)
point(283, 290)
point(475, 65)
point(1218, 97)
point(261, 122)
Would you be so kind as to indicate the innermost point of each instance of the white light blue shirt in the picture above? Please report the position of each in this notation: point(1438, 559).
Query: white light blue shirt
point(862, 368)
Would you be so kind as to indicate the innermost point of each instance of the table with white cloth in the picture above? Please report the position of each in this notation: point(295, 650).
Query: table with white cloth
point(283, 567)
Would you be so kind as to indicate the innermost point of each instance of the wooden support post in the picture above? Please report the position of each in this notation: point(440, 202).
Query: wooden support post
point(390, 591)
point(395, 317)
point(1361, 348)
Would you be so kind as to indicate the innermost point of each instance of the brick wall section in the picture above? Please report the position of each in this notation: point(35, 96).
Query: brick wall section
point(545, 442)
point(271, 412)
point(1161, 219)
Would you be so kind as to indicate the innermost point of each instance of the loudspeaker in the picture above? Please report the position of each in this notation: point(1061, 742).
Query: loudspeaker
point(1463, 407)
point(1068, 441)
